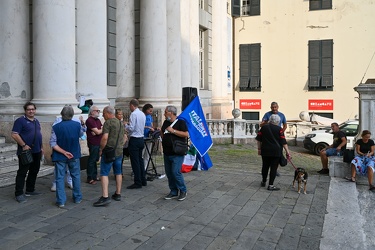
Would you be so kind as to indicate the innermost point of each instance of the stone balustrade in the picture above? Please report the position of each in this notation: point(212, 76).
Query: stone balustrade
point(239, 131)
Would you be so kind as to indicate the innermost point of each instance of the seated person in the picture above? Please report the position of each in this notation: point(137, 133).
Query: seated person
point(364, 161)
point(337, 148)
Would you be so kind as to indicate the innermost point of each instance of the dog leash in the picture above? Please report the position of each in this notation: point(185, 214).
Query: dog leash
point(290, 160)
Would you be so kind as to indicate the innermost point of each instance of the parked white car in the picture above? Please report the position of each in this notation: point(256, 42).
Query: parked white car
point(319, 139)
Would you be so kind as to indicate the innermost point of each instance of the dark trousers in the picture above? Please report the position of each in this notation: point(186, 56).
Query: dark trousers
point(31, 170)
point(92, 169)
point(269, 162)
point(135, 148)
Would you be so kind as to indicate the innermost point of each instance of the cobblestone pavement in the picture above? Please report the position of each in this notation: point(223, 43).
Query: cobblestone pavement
point(225, 209)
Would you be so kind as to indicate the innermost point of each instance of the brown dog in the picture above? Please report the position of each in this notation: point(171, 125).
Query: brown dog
point(300, 175)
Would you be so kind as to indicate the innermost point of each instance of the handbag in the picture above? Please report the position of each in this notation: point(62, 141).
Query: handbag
point(109, 152)
point(26, 157)
point(348, 155)
point(180, 147)
point(282, 161)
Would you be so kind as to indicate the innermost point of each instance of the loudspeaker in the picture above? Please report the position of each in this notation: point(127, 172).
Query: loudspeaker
point(188, 94)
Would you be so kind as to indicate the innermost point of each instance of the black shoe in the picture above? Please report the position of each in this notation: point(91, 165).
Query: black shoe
point(116, 197)
point(324, 171)
point(273, 188)
point(182, 196)
point(102, 202)
point(171, 196)
point(32, 193)
point(134, 186)
point(144, 183)
point(21, 198)
point(262, 184)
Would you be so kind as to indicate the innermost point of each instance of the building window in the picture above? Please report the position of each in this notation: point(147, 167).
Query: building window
point(203, 4)
point(250, 78)
point(320, 4)
point(202, 59)
point(321, 65)
point(245, 8)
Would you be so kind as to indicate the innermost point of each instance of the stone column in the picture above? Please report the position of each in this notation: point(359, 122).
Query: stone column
point(125, 52)
point(15, 56)
point(153, 53)
point(194, 43)
point(366, 93)
point(92, 51)
point(174, 52)
point(221, 105)
point(54, 55)
point(185, 45)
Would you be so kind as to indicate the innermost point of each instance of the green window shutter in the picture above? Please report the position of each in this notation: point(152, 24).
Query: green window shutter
point(255, 65)
point(236, 8)
point(321, 63)
point(327, 63)
point(326, 4)
point(314, 64)
point(244, 65)
point(254, 7)
point(314, 4)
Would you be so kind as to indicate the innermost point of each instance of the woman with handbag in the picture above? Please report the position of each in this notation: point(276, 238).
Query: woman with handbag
point(271, 141)
point(363, 163)
point(174, 130)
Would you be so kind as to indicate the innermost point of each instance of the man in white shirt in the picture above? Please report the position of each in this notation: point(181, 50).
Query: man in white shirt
point(135, 128)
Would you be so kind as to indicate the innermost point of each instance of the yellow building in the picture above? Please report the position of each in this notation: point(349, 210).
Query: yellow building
point(305, 55)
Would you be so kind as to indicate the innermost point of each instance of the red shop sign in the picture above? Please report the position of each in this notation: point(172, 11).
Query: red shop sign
point(319, 104)
point(250, 103)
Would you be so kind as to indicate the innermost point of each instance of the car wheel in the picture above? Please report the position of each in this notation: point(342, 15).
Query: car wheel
point(319, 147)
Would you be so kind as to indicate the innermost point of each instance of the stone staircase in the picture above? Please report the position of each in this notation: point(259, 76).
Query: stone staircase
point(9, 164)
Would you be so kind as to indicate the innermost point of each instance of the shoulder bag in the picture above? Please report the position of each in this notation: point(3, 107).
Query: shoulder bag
point(282, 161)
point(179, 147)
point(109, 152)
point(26, 156)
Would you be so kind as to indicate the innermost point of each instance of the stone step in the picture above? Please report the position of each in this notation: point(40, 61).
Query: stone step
point(8, 147)
point(9, 156)
point(2, 139)
point(8, 178)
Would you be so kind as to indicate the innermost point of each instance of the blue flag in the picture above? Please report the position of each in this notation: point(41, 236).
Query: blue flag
point(196, 123)
point(205, 161)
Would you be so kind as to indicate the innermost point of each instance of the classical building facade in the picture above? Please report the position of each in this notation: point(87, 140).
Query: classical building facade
point(306, 55)
point(53, 52)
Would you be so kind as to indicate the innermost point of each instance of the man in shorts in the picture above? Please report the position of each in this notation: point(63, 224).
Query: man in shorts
point(337, 148)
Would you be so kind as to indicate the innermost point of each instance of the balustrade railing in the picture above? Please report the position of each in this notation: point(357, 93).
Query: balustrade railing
point(240, 131)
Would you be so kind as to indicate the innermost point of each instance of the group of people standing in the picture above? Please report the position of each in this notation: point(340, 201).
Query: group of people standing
point(113, 134)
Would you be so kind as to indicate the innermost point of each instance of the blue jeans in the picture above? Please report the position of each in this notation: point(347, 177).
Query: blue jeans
point(105, 168)
point(135, 148)
point(92, 170)
point(75, 172)
point(172, 165)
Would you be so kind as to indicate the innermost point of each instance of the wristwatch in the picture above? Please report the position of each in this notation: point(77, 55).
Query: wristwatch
point(23, 145)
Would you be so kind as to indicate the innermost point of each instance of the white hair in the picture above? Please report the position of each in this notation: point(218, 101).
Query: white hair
point(274, 119)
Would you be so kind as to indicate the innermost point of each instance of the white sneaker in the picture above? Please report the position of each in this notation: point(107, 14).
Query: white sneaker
point(53, 188)
point(70, 185)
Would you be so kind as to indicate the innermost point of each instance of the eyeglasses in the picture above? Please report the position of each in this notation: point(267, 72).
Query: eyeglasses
point(97, 111)
point(30, 109)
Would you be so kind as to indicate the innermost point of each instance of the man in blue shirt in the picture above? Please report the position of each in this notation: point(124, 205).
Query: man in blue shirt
point(67, 151)
point(275, 110)
point(27, 133)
